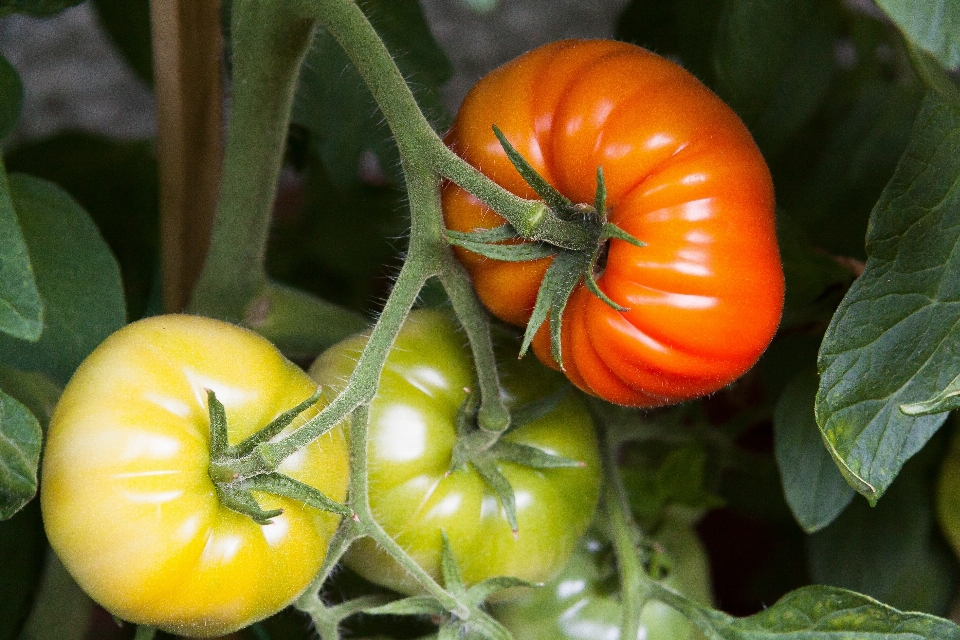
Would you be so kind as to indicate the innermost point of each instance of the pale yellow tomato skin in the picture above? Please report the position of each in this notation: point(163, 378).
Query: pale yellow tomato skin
point(127, 501)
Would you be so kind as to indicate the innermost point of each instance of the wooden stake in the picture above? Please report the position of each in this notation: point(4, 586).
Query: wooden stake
point(187, 56)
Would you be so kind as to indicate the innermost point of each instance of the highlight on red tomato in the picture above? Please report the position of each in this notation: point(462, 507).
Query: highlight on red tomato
point(412, 432)
point(127, 500)
point(583, 602)
point(703, 297)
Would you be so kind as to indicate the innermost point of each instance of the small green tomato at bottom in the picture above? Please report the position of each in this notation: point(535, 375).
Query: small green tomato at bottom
point(582, 603)
point(412, 432)
point(128, 503)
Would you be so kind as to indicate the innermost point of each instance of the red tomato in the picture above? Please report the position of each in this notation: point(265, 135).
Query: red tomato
point(683, 175)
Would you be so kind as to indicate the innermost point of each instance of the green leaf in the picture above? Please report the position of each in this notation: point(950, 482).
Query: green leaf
point(814, 488)
point(802, 85)
point(20, 439)
point(946, 400)
point(77, 276)
point(892, 552)
point(11, 97)
point(934, 75)
point(21, 310)
point(115, 181)
point(831, 173)
point(35, 8)
point(21, 562)
point(452, 578)
point(128, 24)
point(933, 25)
point(280, 314)
point(38, 393)
point(754, 44)
point(815, 613)
point(892, 339)
point(335, 105)
point(681, 29)
point(659, 476)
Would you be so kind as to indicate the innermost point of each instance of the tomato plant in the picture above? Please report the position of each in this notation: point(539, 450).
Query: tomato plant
point(582, 603)
point(622, 210)
point(415, 496)
point(703, 296)
point(129, 505)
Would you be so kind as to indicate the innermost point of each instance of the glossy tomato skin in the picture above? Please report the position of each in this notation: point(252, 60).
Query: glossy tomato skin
point(412, 433)
point(683, 175)
point(127, 501)
point(583, 603)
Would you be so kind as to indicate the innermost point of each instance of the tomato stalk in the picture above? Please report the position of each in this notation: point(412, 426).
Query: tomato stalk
point(636, 585)
point(270, 42)
point(417, 140)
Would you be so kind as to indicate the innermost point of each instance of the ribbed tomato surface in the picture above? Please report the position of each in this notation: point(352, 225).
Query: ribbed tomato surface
point(683, 174)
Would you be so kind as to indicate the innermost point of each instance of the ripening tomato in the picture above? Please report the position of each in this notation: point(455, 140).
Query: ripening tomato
point(411, 437)
point(683, 175)
point(583, 602)
point(128, 504)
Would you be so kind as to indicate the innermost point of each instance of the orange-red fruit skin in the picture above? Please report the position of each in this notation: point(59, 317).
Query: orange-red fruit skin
point(683, 174)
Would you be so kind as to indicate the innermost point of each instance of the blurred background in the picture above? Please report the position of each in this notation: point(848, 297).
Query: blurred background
point(826, 87)
point(74, 77)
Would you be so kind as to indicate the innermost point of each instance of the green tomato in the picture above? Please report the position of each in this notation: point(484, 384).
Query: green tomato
point(583, 603)
point(948, 495)
point(412, 433)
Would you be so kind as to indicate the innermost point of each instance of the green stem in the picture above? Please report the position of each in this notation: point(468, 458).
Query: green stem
point(493, 416)
point(270, 42)
point(636, 585)
point(417, 140)
point(705, 619)
point(360, 502)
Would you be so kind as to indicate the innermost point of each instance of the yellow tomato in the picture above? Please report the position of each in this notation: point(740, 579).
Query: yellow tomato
point(127, 500)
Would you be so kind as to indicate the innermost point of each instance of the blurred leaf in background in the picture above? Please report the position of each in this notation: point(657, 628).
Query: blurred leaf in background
point(11, 97)
point(893, 552)
point(21, 564)
point(934, 25)
point(334, 104)
point(116, 182)
point(35, 8)
point(127, 22)
point(77, 276)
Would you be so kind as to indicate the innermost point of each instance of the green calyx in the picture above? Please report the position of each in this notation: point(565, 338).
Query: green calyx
point(235, 490)
point(477, 623)
point(577, 256)
point(487, 450)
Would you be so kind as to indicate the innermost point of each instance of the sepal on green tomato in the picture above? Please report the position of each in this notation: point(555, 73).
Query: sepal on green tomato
point(415, 496)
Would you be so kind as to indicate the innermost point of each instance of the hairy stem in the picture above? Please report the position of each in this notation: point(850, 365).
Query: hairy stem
point(636, 585)
point(270, 42)
point(417, 140)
